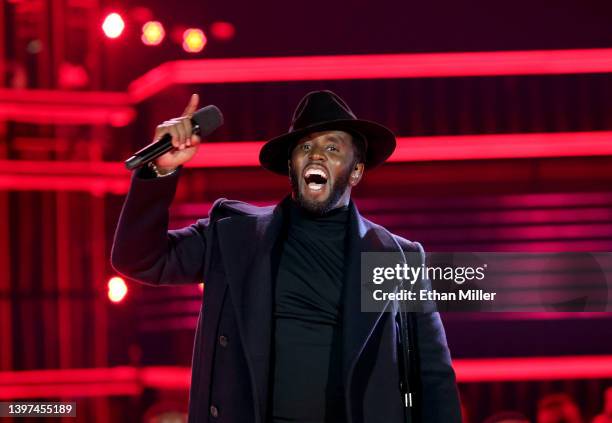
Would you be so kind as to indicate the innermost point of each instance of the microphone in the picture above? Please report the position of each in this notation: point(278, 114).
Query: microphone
point(204, 122)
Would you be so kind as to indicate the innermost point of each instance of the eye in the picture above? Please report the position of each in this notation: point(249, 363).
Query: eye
point(305, 147)
point(332, 148)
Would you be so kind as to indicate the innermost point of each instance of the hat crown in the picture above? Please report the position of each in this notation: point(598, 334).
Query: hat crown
point(320, 106)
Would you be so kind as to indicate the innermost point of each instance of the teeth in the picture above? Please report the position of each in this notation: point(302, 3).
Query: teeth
point(316, 172)
point(315, 187)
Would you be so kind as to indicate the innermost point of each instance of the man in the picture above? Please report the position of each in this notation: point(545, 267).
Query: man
point(281, 335)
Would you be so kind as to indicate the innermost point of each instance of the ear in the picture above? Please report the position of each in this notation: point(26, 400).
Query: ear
point(356, 174)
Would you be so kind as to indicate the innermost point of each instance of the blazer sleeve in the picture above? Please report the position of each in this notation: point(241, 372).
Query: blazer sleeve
point(439, 398)
point(439, 387)
point(144, 249)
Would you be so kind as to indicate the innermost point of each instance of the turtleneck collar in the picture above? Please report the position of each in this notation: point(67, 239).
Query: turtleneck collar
point(298, 215)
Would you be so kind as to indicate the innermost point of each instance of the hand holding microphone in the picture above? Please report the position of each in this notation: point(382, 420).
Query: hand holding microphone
point(177, 140)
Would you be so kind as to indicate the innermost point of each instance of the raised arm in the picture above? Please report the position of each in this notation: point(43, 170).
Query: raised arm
point(143, 248)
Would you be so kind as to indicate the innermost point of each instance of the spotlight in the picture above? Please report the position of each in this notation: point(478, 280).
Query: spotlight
point(152, 33)
point(113, 25)
point(194, 40)
point(117, 289)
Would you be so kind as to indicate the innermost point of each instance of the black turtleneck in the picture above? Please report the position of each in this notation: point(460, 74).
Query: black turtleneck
point(307, 385)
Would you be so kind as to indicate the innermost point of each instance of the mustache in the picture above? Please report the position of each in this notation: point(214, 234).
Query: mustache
point(338, 187)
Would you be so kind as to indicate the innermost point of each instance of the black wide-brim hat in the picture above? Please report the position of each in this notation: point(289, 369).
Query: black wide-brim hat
point(325, 111)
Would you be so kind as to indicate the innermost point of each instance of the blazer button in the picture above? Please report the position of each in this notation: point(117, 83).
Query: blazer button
point(223, 341)
point(214, 411)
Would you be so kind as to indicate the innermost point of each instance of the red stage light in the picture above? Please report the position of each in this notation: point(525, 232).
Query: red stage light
point(223, 30)
point(117, 289)
point(194, 40)
point(72, 76)
point(153, 33)
point(113, 25)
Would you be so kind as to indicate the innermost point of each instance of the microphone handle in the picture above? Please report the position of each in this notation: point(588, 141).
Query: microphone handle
point(153, 151)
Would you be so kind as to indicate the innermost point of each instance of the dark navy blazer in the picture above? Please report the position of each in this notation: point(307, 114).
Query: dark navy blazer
point(231, 251)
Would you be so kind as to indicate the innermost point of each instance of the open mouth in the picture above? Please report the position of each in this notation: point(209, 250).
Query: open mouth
point(315, 178)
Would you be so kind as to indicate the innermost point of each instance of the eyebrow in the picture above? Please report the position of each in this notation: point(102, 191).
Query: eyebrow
point(334, 137)
point(328, 137)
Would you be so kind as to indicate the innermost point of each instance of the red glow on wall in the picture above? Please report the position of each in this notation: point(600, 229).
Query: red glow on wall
point(141, 14)
point(223, 31)
point(117, 289)
point(113, 25)
point(153, 33)
point(194, 40)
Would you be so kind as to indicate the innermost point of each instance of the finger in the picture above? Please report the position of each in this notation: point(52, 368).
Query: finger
point(186, 124)
point(176, 139)
point(195, 140)
point(164, 129)
point(181, 131)
point(192, 105)
point(160, 130)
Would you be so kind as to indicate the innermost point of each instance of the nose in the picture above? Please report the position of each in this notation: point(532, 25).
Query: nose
point(316, 153)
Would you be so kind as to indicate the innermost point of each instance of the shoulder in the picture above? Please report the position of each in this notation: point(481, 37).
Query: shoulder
point(405, 244)
point(223, 207)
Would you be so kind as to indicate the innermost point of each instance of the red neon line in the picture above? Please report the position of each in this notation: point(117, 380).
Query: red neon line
point(130, 380)
point(534, 368)
point(70, 391)
point(112, 176)
point(61, 168)
point(90, 382)
point(62, 114)
point(166, 377)
point(92, 184)
point(456, 147)
point(227, 154)
point(66, 107)
point(66, 376)
point(382, 66)
point(83, 98)
point(503, 146)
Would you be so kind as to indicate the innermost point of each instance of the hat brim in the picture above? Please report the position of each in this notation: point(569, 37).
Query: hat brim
point(380, 140)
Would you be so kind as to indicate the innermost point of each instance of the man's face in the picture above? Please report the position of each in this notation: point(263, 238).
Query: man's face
point(323, 169)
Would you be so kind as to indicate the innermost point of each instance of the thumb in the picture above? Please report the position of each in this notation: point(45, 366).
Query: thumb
point(192, 105)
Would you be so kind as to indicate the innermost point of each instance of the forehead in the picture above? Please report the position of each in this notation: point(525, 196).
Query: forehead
point(338, 136)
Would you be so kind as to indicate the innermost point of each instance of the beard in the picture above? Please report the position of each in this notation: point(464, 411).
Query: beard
point(319, 208)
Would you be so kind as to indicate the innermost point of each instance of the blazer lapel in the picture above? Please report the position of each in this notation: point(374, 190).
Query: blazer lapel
point(246, 244)
point(357, 326)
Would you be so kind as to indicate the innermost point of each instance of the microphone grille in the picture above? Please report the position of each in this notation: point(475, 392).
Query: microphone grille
point(208, 119)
